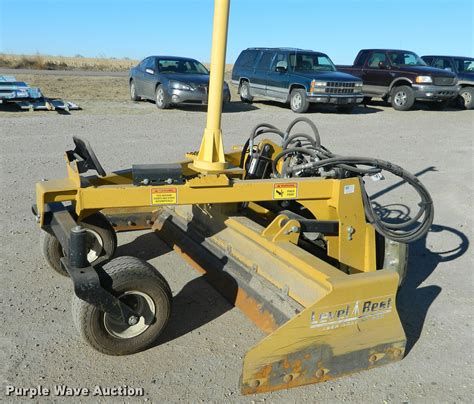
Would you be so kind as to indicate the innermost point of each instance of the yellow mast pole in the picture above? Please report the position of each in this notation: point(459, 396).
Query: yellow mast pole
point(211, 154)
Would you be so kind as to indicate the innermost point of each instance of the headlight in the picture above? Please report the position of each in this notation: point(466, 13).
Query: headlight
point(316, 83)
point(358, 84)
point(179, 86)
point(424, 79)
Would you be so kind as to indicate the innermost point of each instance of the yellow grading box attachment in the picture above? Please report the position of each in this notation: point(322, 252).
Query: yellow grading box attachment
point(285, 230)
point(321, 323)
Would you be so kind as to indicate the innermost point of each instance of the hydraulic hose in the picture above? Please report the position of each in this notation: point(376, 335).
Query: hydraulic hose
point(321, 158)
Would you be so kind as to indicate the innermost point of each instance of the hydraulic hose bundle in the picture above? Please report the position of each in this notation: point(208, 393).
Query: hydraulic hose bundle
point(304, 156)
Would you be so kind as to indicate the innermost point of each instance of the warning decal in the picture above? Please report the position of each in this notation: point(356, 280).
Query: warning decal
point(164, 196)
point(285, 191)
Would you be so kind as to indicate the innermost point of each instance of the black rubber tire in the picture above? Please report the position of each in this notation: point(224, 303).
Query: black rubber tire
point(245, 95)
point(366, 100)
point(53, 252)
point(402, 98)
point(300, 107)
point(345, 109)
point(466, 98)
point(133, 92)
point(126, 274)
point(162, 100)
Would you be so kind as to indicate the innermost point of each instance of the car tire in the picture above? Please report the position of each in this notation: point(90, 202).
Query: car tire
point(133, 92)
point(345, 109)
point(298, 101)
point(245, 95)
point(142, 287)
point(162, 98)
point(466, 98)
point(366, 100)
point(402, 98)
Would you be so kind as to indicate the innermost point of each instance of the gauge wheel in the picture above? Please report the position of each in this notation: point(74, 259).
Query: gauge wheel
point(162, 98)
point(140, 286)
point(466, 98)
point(101, 243)
point(133, 92)
point(403, 98)
point(245, 92)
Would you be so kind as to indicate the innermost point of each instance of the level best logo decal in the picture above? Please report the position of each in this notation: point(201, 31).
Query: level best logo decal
point(285, 191)
point(164, 196)
point(331, 317)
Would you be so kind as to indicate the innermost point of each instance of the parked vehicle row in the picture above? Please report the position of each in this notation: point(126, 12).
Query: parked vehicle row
point(299, 77)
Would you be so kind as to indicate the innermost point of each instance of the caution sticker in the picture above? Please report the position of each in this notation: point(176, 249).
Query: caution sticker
point(164, 196)
point(285, 191)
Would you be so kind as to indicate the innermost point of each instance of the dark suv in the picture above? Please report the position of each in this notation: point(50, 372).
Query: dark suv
point(295, 76)
point(464, 68)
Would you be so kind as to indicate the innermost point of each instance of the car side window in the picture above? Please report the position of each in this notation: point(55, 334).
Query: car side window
point(247, 58)
point(376, 58)
point(143, 63)
point(443, 63)
point(428, 60)
point(281, 59)
point(151, 64)
point(265, 60)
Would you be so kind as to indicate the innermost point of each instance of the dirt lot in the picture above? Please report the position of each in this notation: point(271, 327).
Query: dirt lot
point(199, 359)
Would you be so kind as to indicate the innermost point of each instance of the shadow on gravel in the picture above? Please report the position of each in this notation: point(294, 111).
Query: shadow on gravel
point(229, 108)
point(413, 301)
point(360, 109)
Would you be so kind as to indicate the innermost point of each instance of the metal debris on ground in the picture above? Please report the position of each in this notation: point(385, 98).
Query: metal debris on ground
point(30, 98)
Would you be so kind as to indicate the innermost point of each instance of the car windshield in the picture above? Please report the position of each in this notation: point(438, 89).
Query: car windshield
point(465, 65)
point(311, 62)
point(181, 66)
point(400, 58)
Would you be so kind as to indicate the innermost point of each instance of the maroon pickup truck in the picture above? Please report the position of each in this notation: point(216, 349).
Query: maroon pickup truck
point(402, 77)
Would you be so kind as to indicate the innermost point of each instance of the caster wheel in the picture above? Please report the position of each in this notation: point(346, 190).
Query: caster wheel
point(140, 286)
point(101, 240)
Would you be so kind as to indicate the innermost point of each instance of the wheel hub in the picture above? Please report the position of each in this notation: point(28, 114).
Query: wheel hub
point(141, 303)
point(400, 98)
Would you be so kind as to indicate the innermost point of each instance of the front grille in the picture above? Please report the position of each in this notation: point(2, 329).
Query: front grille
point(340, 87)
point(443, 81)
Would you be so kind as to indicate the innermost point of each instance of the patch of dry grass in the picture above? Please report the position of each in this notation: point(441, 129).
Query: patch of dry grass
point(44, 62)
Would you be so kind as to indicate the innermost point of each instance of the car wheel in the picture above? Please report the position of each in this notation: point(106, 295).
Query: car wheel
point(366, 100)
point(466, 98)
point(245, 93)
point(133, 91)
point(298, 101)
point(161, 98)
point(345, 109)
point(403, 98)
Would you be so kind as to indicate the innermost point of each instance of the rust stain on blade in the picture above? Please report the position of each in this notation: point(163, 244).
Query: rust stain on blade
point(262, 318)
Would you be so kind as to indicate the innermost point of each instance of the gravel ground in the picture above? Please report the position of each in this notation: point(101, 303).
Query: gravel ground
point(199, 359)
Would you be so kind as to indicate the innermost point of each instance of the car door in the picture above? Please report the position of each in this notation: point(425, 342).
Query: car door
point(138, 77)
point(259, 84)
point(376, 74)
point(150, 78)
point(278, 77)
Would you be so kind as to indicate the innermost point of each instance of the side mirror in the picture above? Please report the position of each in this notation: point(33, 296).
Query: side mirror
point(150, 71)
point(281, 66)
point(382, 65)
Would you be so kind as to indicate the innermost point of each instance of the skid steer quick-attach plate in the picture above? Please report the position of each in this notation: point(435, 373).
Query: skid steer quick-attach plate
point(322, 323)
